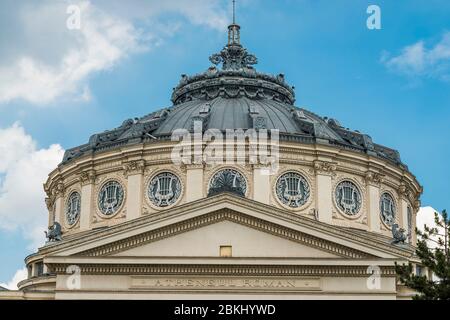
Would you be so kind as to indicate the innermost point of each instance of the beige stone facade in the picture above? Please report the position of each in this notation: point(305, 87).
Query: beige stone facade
point(144, 252)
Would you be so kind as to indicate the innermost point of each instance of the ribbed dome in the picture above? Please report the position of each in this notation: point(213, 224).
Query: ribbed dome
point(231, 113)
point(234, 97)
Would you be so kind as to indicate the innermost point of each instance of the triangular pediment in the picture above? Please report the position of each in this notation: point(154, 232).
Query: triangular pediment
point(199, 228)
point(241, 240)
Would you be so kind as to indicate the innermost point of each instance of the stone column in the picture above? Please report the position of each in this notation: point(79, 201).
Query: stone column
point(415, 209)
point(194, 182)
point(324, 171)
point(87, 180)
point(50, 203)
point(134, 171)
point(261, 184)
point(373, 182)
point(403, 210)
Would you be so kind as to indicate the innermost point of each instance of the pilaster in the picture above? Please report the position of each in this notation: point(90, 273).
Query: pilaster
point(194, 182)
point(261, 184)
point(373, 183)
point(134, 171)
point(324, 171)
point(87, 180)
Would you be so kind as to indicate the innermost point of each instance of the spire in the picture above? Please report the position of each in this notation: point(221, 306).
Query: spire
point(234, 56)
point(234, 37)
point(234, 11)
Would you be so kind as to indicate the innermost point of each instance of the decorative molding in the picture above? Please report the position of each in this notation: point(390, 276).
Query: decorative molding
point(149, 175)
point(99, 183)
point(229, 215)
point(310, 179)
point(133, 167)
point(245, 170)
point(50, 202)
point(58, 190)
point(359, 217)
point(224, 270)
point(66, 227)
point(325, 167)
point(397, 205)
point(87, 177)
point(374, 178)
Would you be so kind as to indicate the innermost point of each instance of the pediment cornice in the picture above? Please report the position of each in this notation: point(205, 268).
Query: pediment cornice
point(225, 215)
point(341, 241)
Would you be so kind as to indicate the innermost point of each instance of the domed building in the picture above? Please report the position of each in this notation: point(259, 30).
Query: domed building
point(126, 221)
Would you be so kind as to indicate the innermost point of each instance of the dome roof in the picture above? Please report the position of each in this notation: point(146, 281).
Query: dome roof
point(234, 97)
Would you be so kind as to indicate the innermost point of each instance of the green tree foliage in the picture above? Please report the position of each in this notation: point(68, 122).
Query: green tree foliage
point(433, 251)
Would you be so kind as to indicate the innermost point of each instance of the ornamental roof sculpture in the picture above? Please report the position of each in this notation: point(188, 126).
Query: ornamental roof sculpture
point(236, 96)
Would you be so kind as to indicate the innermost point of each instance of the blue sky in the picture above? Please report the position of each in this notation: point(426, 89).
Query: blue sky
point(393, 83)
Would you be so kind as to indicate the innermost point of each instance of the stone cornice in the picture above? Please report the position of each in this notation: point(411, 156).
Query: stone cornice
point(223, 215)
point(223, 270)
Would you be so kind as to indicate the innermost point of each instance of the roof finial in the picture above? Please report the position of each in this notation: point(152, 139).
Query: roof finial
point(234, 56)
point(234, 11)
point(234, 37)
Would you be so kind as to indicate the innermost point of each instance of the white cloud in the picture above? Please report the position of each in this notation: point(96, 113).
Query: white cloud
point(425, 216)
point(101, 42)
point(24, 169)
point(45, 60)
point(20, 275)
point(214, 14)
point(417, 60)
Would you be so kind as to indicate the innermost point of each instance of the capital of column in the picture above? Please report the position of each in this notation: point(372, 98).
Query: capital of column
point(374, 178)
point(87, 177)
point(133, 167)
point(324, 167)
point(58, 190)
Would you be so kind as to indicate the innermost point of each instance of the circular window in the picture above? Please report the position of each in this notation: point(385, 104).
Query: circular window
point(348, 198)
point(73, 208)
point(387, 209)
point(228, 180)
point(110, 197)
point(292, 189)
point(164, 189)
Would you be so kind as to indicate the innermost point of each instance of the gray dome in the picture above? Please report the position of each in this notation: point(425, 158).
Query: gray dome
point(231, 113)
point(235, 97)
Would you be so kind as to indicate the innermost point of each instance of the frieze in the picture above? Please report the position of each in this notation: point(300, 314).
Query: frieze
point(225, 283)
point(225, 270)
